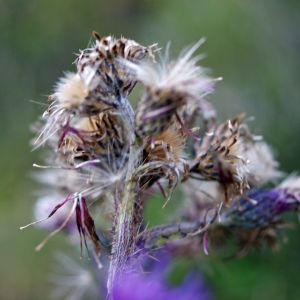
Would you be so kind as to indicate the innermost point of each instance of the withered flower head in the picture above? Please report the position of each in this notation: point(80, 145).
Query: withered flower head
point(93, 137)
point(168, 86)
point(104, 64)
point(102, 81)
point(221, 155)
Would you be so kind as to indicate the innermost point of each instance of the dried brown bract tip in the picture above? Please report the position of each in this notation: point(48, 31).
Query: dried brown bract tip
point(86, 226)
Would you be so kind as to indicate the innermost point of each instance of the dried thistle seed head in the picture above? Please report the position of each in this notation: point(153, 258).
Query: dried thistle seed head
point(224, 141)
point(77, 94)
point(103, 81)
point(168, 87)
point(164, 156)
point(111, 75)
point(95, 138)
point(221, 157)
point(73, 97)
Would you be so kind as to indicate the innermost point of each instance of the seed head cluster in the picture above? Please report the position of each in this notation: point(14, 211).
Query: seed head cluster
point(105, 159)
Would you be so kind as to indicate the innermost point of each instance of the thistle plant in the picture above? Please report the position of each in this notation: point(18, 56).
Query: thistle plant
point(105, 159)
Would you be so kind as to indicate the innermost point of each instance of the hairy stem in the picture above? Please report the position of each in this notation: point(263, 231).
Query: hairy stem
point(126, 224)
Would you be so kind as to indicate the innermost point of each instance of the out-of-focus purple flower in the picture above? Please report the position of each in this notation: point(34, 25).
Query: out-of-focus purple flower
point(256, 219)
point(270, 204)
point(153, 284)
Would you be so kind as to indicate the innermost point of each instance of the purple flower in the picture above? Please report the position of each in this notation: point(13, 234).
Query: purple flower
point(256, 219)
point(153, 285)
point(270, 204)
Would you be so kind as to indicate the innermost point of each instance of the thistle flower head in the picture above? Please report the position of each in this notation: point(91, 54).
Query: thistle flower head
point(101, 82)
point(111, 76)
point(263, 213)
point(254, 223)
point(168, 87)
point(99, 136)
point(235, 158)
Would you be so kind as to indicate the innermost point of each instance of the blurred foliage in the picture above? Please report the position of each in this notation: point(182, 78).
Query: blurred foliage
point(253, 44)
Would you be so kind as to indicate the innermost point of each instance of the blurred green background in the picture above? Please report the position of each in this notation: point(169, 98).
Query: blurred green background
point(253, 44)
